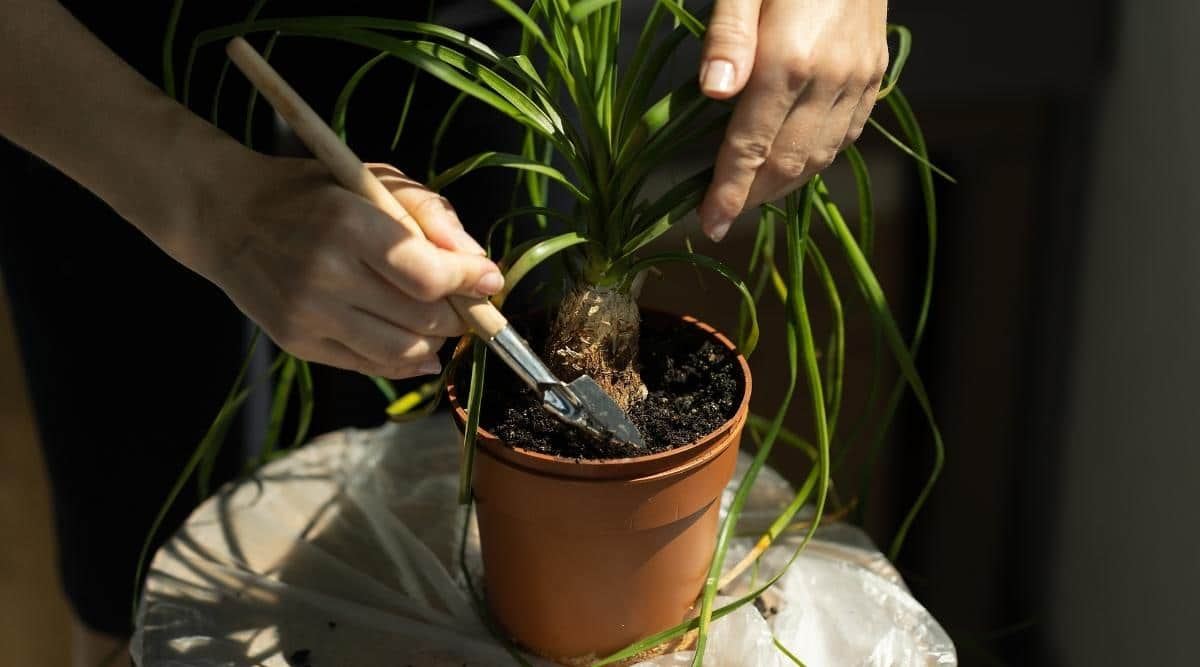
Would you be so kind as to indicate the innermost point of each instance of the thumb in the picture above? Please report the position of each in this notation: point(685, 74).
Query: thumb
point(729, 48)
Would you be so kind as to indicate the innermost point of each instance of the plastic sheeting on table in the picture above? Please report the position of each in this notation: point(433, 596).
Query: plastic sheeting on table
point(345, 553)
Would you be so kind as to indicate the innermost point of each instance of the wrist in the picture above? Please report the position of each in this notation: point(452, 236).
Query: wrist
point(184, 175)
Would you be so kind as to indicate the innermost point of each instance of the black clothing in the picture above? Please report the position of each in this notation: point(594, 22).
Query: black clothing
point(128, 354)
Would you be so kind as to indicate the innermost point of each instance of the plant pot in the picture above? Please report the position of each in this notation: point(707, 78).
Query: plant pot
point(584, 557)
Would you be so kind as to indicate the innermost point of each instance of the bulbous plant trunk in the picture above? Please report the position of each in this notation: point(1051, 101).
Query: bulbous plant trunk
point(595, 332)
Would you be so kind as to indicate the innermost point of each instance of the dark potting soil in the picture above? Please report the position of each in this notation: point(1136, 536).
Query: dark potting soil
point(694, 386)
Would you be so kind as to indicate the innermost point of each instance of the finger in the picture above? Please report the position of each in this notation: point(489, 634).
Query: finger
point(862, 112)
point(428, 273)
point(729, 46)
point(375, 295)
point(334, 353)
point(807, 143)
point(389, 347)
point(748, 139)
point(422, 270)
point(432, 212)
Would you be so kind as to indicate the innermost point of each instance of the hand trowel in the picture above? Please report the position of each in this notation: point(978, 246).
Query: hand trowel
point(581, 402)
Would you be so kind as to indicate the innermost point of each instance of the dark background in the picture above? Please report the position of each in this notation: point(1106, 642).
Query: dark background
point(1060, 357)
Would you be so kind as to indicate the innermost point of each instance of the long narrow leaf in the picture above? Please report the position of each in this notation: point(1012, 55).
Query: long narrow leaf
point(507, 160)
point(900, 352)
point(717, 267)
point(338, 122)
point(534, 256)
point(470, 431)
point(923, 160)
point(676, 203)
point(168, 47)
point(903, 47)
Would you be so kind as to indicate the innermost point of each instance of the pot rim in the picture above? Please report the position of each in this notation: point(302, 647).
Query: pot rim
point(649, 465)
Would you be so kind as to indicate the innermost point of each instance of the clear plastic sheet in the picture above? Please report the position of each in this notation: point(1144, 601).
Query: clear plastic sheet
point(346, 552)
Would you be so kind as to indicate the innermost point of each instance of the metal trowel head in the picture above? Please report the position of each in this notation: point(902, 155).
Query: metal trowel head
point(602, 414)
point(580, 402)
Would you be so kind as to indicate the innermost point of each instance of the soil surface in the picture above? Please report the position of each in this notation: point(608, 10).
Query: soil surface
point(694, 386)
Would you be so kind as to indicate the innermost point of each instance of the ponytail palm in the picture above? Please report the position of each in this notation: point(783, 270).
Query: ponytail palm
point(594, 132)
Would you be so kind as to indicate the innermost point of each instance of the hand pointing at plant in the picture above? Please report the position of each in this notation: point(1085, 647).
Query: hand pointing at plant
point(808, 72)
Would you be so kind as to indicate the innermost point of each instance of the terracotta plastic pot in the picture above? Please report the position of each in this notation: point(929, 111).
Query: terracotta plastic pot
point(586, 557)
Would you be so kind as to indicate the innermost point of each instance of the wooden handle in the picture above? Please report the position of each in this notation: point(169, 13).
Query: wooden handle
point(479, 314)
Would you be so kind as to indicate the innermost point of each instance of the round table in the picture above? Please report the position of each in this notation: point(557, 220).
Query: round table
point(346, 552)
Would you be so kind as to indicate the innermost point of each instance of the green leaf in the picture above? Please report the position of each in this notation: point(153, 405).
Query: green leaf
point(835, 358)
point(903, 47)
point(168, 47)
point(798, 220)
point(279, 403)
point(402, 408)
point(670, 208)
point(252, 98)
point(471, 429)
point(440, 134)
point(385, 387)
point(866, 204)
point(441, 61)
point(226, 63)
point(531, 28)
point(713, 265)
point(535, 255)
point(304, 383)
point(507, 160)
point(924, 160)
point(900, 352)
point(408, 100)
point(685, 18)
point(788, 654)
point(338, 122)
point(581, 9)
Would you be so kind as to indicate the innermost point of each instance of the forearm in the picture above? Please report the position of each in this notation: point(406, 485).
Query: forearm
point(71, 101)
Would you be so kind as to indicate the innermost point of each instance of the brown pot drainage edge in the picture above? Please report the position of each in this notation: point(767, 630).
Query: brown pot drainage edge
point(584, 557)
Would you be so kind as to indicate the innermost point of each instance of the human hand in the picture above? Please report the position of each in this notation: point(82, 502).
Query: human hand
point(809, 72)
point(328, 276)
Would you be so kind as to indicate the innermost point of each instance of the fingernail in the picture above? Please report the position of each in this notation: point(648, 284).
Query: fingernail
point(429, 367)
point(491, 283)
point(467, 243)
point(718, 230)
point(715, 225)
point(717, 76)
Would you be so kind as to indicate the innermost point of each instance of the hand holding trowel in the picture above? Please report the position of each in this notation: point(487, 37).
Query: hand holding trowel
point(581, 402)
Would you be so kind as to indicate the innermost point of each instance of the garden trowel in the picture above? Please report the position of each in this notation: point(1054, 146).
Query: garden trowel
point(580, 402)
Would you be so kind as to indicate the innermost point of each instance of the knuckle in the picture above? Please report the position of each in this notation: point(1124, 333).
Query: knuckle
point(836, 70)
point(798, 69)
point(750, 152)
point(855, 132)
point(789, 167)
point(822, 158)
point(410, 348)
point(863, 74)
point(432, 204)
